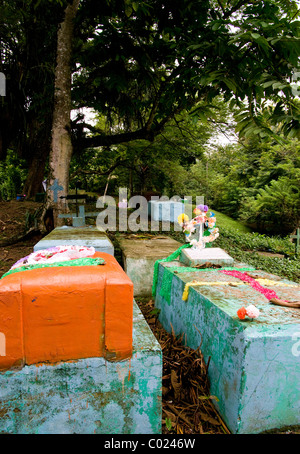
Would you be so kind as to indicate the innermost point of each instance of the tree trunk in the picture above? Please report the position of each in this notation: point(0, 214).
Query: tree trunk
point(33, 183)
point(36, 170)
point(61, 145)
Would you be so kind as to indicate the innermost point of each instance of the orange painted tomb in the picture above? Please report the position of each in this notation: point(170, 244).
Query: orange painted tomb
point(65, 313)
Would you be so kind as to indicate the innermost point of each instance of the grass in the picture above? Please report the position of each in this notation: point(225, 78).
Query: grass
point(225, 221)
point(243, 247)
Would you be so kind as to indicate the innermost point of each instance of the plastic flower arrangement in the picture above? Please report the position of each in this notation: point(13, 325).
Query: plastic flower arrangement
point(204, 221)
point(55, 254)
point(251, 311)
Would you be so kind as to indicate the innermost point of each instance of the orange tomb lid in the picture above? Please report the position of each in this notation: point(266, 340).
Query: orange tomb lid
point(60, 314)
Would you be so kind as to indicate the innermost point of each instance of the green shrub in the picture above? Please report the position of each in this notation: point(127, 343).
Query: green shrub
point(12, 176)
point(243, 246)
point(276, 208)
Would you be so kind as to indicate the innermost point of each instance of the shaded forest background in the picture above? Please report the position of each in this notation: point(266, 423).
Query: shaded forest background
point(164, 80)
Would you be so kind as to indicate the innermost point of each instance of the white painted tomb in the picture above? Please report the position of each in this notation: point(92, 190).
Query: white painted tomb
point(165, 210)
point(214, 255)
point(89, 236)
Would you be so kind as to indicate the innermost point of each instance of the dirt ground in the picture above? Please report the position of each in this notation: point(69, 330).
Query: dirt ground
point(187, 404)
point(13, 216)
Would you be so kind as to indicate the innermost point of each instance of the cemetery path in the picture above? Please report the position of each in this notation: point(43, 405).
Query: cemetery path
point(187, 404)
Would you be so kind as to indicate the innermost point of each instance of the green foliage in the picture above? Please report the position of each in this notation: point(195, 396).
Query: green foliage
point(161, 165)
point(12, 176)
point(28, 35)
point(239, 245)
point(139, 63)
point(168, 423)
point(276, 206)
point(255, 241)
point(256, 182)
point(142, 64)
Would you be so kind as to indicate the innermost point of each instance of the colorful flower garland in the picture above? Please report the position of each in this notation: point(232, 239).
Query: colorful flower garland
point(203, 220)
point(55, 254)
point(251, 311)
point(85, 261)
point(268, 293)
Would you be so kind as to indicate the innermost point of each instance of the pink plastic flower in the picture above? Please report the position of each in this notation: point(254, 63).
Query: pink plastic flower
point(56, 254)
point(252, 311)
point(199, 219)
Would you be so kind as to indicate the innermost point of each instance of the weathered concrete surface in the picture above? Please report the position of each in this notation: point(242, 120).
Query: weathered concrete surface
point(165, 210)
point(254, 367)
point(89, 395)
point(215, 255)
point(139, 256)
point(77, 236)
point(65, 313)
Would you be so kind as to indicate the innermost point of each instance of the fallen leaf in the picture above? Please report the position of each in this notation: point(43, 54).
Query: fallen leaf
point(164, 390)
point(176, 384)
point(170, 415)
point(207, 418)
point(280, 302)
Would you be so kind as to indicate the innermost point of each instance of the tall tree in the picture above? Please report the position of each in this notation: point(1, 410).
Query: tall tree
point(141, 63)
point(28, 33)
point(61, 145)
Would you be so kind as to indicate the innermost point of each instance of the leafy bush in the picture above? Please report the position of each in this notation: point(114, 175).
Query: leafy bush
point(276, 208)
point(12, 176)
point(258, 242)
point(240, 246)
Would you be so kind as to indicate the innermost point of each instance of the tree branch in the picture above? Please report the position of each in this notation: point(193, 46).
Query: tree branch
point(238, 6)
point(93, 172)
point(140, 134)
point(222, 7)
point(107, 140)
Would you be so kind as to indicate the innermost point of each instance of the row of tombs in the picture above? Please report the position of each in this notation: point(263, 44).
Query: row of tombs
point(77, 356)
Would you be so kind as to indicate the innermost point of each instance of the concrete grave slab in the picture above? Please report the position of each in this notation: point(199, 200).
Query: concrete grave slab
point(89, 236)
point(214, 255)
point(89, 395)
point(254, 365)
point(139, 256)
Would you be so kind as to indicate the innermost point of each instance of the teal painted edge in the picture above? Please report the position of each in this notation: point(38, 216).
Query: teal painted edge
point(188, 269)
point(184, 269)
point(165, 289)
point(87, 261)
point(171, 257)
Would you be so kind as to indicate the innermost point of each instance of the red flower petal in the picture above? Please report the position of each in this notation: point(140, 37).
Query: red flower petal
point(241, 313)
